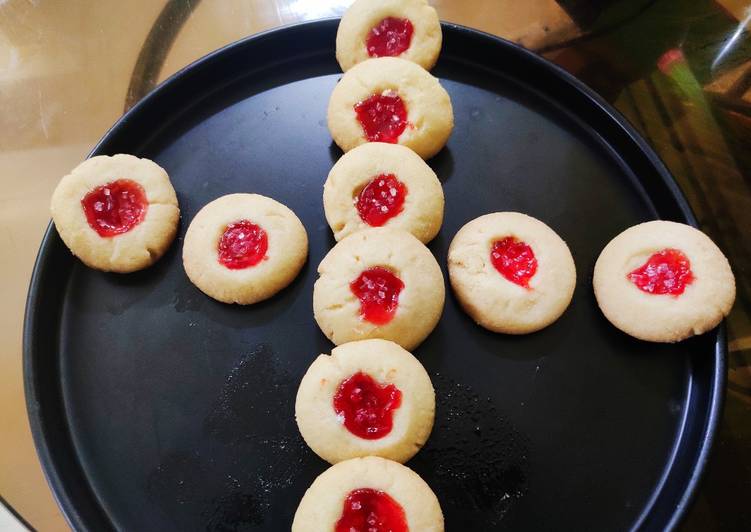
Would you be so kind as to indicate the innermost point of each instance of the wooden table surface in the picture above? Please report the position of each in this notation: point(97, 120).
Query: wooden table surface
point(68, 70)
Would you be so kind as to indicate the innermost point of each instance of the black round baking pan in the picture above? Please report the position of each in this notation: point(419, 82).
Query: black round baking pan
point(154, 407)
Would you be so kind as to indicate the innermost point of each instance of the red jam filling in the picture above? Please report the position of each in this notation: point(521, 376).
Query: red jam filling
point(378, 291)
point(366, 406)
point(514, 259)
point(390, 37)
point(369, 510)
point(665, 272)
point(115, 208)
point(243, 244)
point(381, 200)
point(383, 117)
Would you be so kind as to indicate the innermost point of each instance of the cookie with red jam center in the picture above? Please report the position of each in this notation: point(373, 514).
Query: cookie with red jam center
point(369, 494)
point(369, 397)
point(663, 282)
point(116, 213)
point(378, 283)
point(511, 272)
point(408, 29)
point(244, 248)
point(390, 100)
point(383, 185)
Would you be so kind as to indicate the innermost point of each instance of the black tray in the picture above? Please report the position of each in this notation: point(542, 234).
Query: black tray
point(154, 407)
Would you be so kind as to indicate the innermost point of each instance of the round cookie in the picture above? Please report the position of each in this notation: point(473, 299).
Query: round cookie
point(379, 283)
point(345, 495)
point(368, 398)
point(117, 214)
point(663, 282)
point(409, 29)
point(388, 185)
point(244, 248)
point(390, 100)
point(511, 272)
